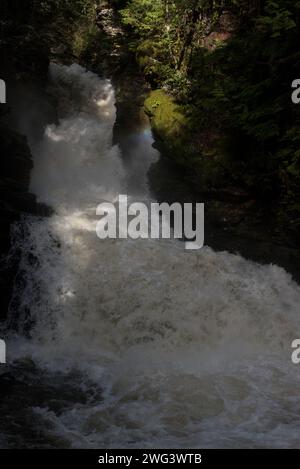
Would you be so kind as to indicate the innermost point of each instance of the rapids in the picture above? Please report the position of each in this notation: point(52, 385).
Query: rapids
point(185, 349)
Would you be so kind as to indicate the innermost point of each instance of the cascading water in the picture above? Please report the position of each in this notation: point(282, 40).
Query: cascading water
point(185, 349)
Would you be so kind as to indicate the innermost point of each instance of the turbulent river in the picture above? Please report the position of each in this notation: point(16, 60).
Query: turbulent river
point(170, 348)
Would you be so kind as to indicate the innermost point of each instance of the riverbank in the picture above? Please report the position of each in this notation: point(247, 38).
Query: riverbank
point(242, 164)
point(235, 220)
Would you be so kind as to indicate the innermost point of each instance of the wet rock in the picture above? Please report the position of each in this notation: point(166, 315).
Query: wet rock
point(15, 167)
point(21, 422)
point(24, 56)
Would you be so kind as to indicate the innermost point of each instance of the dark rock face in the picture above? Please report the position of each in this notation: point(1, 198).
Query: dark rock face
point(24, 58)
point(15, 167)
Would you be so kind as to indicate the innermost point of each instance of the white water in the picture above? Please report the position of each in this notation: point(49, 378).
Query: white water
point(190, 349)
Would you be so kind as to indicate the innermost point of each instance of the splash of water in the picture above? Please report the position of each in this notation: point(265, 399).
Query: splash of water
point(189, 349)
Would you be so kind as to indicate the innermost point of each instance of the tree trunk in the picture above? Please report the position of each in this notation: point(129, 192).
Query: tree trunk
point(189, 38)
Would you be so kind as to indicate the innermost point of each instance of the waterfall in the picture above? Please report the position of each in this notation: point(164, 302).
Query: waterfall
point(188, 349)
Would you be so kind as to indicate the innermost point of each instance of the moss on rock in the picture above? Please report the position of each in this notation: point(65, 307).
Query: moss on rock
point(170, 123)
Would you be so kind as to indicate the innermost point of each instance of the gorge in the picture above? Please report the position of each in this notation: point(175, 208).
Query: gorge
point(131, 343)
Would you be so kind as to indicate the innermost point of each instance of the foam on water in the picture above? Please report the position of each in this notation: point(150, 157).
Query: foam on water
point(190, 349)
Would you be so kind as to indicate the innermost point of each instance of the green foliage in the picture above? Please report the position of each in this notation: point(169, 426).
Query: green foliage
point(277, 19)
point(35, 22)
point(144, 16)
point(231, 64)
